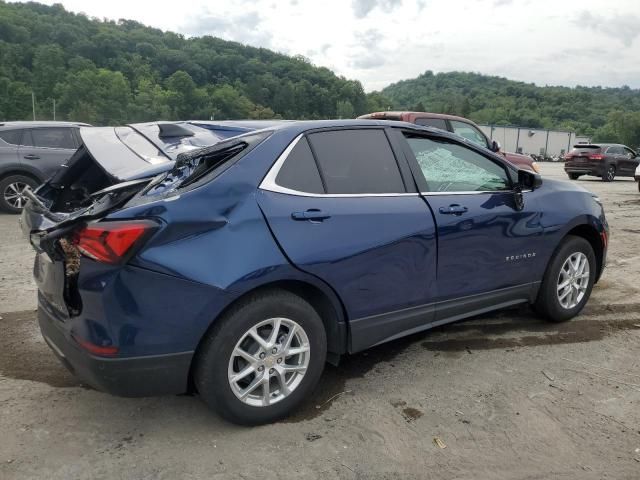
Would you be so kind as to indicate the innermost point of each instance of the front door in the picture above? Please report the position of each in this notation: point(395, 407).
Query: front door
point(486, 245)
point(340, 209)
point(628, 162)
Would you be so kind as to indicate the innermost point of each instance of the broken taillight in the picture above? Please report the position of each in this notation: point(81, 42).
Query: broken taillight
point(112, 242)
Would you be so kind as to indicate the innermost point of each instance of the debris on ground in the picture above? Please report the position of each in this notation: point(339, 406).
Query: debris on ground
point(332, 398)
point(549, 376)
point(312, 437)
point(439, 443)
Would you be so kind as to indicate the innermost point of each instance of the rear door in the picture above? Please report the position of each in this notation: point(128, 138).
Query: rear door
point(340, 208)
point(486, 246)
point(46, 148)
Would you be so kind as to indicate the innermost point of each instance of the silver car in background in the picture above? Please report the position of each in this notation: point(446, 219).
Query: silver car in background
point(30, 152)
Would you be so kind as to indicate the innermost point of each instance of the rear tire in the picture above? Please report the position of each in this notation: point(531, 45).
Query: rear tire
point(230, 350)
point(11, 197)
point(568, 281)
point(609, 174)
point(574, 176)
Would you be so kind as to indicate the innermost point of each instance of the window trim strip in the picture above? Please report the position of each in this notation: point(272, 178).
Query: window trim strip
point(269, 184)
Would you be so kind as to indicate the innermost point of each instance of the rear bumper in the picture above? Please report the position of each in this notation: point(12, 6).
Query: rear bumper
point(128, 376)
point(585, 168)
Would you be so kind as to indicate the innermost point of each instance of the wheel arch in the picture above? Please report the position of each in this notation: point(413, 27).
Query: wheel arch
point(21, 171)
point(323, 300)
point(591, 235)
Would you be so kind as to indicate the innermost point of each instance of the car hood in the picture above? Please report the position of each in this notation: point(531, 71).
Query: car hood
point(565, 186)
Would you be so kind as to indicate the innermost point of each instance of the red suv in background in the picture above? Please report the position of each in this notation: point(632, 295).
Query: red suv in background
point(460, 126)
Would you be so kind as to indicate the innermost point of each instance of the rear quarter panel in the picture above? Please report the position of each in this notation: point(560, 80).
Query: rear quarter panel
point(214, 241)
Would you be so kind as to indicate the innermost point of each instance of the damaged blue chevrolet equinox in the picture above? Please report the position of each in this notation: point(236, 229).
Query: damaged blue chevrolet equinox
point(238, 269)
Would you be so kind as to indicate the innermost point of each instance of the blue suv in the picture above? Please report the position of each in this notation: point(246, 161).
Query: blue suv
point(237, 270)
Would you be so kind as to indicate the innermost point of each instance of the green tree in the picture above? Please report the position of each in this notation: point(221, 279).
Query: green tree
point(344, 109)
point(98, 96)
point(229, 103)
point(48, 69)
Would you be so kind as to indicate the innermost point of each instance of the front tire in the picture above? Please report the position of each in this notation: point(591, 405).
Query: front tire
point(568, 281)
point(609, 174)
point(12, 197)
point(262, 358)
point(574, 176)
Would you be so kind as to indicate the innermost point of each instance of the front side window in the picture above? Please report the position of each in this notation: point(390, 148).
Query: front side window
point(51, 138)
point(12, 137)
point(449, 167)
point(356, 162)
point(469, 132)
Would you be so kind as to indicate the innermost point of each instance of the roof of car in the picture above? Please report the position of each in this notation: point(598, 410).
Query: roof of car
point(598, 144)
point(311, 124)
point(399, 113)
point(42, 124)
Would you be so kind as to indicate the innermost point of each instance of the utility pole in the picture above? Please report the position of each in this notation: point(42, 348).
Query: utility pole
point(33, 105)
point(54, 109)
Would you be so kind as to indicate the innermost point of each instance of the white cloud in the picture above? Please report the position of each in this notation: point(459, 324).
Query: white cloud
point(361, 8)
point(623, 27)
point(382, 41)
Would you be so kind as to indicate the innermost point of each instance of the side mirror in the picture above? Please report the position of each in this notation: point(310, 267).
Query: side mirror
point(528, 180)
point(495, 146)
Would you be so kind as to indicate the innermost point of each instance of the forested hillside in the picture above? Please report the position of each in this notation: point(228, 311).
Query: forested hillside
point(112, 72)
point(106, 72)
point(608, 114)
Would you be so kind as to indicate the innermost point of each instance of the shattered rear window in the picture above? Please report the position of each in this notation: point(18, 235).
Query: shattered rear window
point(197, 164)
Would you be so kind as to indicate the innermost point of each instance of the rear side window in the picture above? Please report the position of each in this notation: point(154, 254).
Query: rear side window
point(615, 150)
point(11, 137)
point(300, 171)
point(356, 162)
point(50, 138)
point(432, 122)
point(449, 167)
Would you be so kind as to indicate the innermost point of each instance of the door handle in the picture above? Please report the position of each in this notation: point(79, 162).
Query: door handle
point(31, 156)
point(454, 209)
point(311, 214)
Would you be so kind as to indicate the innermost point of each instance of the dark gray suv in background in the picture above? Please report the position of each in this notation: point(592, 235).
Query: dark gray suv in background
point(29, 153)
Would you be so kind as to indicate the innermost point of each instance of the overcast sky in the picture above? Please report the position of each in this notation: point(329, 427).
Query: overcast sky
point(554, 42)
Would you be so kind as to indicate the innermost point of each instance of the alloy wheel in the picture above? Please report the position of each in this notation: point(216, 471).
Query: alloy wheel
point(611, 173)
point(573, 280)
point(269, 362)
point(14, 194)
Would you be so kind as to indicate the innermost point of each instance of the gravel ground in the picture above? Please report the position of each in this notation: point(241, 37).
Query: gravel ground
point(506, 395)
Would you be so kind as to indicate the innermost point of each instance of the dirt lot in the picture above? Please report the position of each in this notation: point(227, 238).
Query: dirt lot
point(510, 396)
